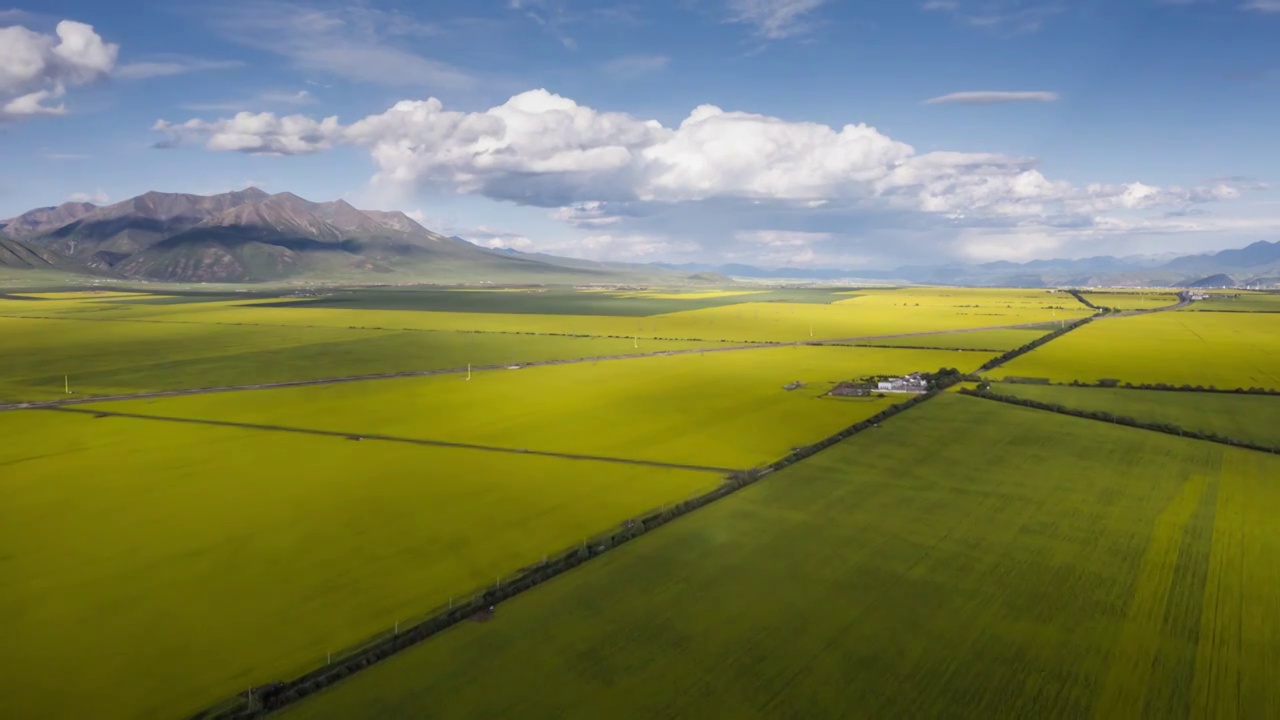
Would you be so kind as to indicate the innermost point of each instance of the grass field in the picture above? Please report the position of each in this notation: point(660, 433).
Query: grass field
point(151, 568)
point(1225, 350)
point(1121, 300)
point(721, 409)
point(771, 316)
point(967, 560)
point(105, 358)
point(1253, 418)
point(997, 340)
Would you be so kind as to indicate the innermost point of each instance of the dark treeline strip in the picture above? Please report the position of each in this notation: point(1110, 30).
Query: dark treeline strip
point(1103, 416)
point(269, 698)
point(1085, 301)
point(1163, 387)
point(908, 347)
point(998, 361)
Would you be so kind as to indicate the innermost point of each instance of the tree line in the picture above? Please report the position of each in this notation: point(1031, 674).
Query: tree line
point(984, 391)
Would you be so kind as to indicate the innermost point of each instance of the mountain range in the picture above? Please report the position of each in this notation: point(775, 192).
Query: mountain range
point(252, 236)
point(1255, 265)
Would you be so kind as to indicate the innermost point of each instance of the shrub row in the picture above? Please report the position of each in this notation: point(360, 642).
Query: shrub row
point(274, 696)
point(1103, 416)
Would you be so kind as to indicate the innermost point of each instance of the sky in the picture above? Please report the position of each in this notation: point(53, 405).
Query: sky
point(780, 133)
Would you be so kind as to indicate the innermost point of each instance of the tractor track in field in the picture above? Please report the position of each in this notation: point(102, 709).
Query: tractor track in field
point(397, 439)
point(45, 404)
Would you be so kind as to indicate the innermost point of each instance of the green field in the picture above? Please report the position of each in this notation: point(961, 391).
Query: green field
point(1224, 350)
point(773, 316)
point(726, 409)
point(992, 340)
point(1242, 301)
point(1121, 300)
point(968, 560)
point(152, 568)
point(105, 358)
point(1252, 418)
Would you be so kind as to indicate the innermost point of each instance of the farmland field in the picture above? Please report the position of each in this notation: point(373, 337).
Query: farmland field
point(774, 316)
point(970, 559)
point(105, 358)
point(1240, 302)
point(1224, 350)
point(1252, 418)
point(150, 568)
point(1132, 300)
point(721, 409)
point(997, 340)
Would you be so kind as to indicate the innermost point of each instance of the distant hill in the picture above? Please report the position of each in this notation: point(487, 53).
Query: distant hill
point(251, 236)
point(19, 255)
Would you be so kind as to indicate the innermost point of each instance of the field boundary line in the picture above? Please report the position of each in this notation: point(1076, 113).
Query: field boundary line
point(44, 404)
point(260, 701)
point(1103, 416)
point(396, 439)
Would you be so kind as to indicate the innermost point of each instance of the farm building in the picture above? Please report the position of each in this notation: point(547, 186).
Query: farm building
point(854, 389)
point(912, 383)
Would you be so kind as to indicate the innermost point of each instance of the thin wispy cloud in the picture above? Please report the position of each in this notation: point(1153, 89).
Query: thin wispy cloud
point(993, 97)
point(170, 65)
point(1266, 6)
point(356, 42)
point(774, 19)
point(1006, 17)
point(270, 97)
point(629, 66)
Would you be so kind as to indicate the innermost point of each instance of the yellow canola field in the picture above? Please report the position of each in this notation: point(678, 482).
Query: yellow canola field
point(743, 322)
point(151, 568)
point(722, 409)
point(1224, 350)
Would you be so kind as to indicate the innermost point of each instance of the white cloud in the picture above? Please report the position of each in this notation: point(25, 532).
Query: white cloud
point(170, 65)
point(773, 19)
point(97, 197)
point(258, 134)
point(782, 238)
point(629, 66)
point(355, 42)
point(36, 68)
point(993, 97)
point(776, 185)
point(1266, 6)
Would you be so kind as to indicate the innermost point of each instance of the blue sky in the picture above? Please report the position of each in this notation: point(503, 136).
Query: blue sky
point(845, 134)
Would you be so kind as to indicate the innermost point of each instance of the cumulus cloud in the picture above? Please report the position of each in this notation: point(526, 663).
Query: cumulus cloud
point(36, 69)
point(610, 174)
point(258, 134)
point(546, 150)
point(993, 97)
